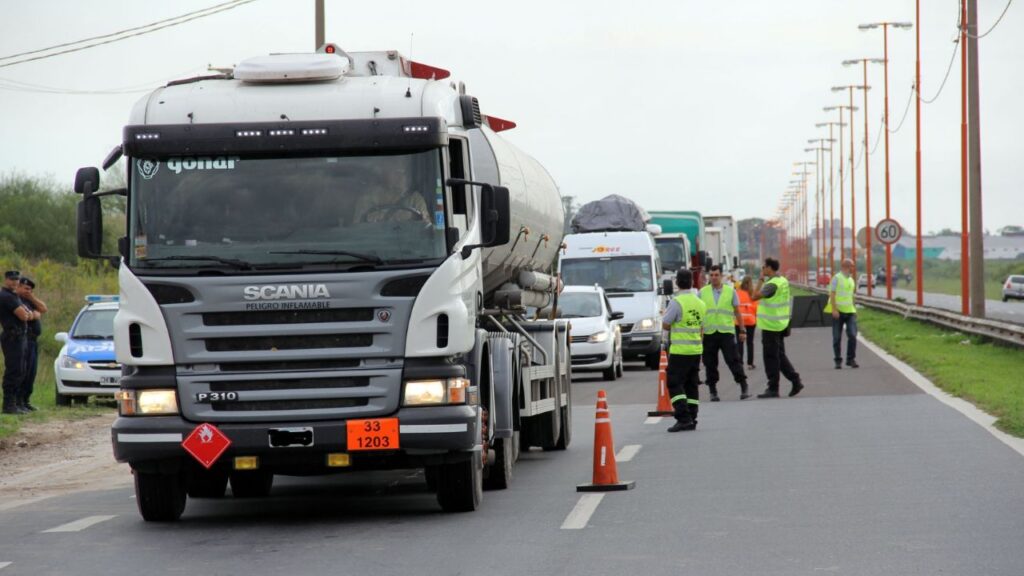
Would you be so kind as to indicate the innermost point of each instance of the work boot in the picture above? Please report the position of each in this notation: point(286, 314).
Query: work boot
point(797, 387)
point(11, 408)
point(769, 394)
point(839, 364)
point(28, 407)
point(743, 391)
point(681, 425)
point(852, 364)
point(715, 398)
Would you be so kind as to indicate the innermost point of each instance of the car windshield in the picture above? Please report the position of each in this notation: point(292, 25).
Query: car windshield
point(672, 252)
point(95, 325)
point(247, 213)
point(618, 274)
point(576, 305)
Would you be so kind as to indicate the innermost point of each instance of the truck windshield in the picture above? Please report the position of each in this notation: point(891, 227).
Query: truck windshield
point(618, 274)
point(672, 252)
point(251, 213)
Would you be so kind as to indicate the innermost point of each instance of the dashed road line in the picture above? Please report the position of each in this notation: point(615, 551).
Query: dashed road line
point(627, 452)
point(79, 525)
point(653, 420)
point(581, 513)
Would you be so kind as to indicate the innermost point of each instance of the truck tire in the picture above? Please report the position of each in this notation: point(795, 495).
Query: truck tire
point(160, 497)
point(499, 474)
point(460, 485)
point(208, 484)
point(251, 484)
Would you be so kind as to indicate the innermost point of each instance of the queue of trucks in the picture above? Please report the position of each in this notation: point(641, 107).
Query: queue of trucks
point(328, 265)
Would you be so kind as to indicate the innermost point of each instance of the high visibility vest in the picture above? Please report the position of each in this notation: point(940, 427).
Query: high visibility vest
point(685, 334)
point(845, 287)
point(748, 308)
point(773, 313)
point(720, 316)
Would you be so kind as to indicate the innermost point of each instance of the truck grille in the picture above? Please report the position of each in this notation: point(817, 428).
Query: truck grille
point(297, 384)
point(288, 365)
point(313, 404)
point(287, 317)
point(308, 342)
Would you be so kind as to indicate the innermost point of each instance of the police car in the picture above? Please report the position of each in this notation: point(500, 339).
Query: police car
point(86, 365)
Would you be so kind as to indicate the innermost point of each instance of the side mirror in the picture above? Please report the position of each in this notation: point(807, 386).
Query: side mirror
point(667, 287)
point(61, 336)
point(496, 211)
point(618, 315)
point(90, 227)
point(87, 181)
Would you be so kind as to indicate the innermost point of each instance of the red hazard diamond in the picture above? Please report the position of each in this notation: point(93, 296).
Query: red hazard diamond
point(206, 443)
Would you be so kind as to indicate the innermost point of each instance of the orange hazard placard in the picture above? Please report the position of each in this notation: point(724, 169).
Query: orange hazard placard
point(375, 434)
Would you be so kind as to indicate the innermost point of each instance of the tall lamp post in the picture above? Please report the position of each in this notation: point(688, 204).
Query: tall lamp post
point(831, 192)
point(805, 174)
point(853, 197)
point(817, 208)
point(867, 173)
point(842, 161)
point(821, 195)
point(885, 44)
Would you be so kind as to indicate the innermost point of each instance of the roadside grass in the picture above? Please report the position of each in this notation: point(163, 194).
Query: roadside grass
point(44, 398)
point(988, 375)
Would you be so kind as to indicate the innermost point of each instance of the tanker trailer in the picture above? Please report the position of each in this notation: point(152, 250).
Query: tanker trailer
point(325, 269)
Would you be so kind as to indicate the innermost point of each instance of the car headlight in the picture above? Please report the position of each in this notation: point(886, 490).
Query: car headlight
point(646, 324)
point(436, 392)
point(72, 363)
point(147, 402)
point(599, 337)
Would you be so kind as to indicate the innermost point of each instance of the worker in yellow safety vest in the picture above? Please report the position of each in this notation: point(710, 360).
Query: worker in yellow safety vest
point(773, 311)
point(684, 321)
point(844, 313)
point(723, 304)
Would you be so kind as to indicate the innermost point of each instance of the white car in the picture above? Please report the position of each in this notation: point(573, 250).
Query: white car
point(86, 365)
point(596, 337)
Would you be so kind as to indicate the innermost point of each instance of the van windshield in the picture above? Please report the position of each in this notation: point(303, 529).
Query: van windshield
point(618, 274)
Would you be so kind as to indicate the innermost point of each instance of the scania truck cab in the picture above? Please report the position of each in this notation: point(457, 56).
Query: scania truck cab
point(325, 265)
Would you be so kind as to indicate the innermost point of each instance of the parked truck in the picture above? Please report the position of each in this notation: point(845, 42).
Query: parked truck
point(325, 268)
point(681, 231)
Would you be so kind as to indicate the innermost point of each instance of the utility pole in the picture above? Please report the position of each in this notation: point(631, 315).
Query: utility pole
point(977, 246)
point(320, 38)
point(965, 271)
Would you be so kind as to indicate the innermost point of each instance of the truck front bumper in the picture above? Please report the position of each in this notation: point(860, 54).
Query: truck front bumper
point(427, 435)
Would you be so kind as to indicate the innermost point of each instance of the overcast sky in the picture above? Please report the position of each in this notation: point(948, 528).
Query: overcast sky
point(677, 104)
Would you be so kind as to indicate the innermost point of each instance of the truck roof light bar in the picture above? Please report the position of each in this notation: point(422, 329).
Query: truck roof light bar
point(314, 131)
point(248, 133)
point(147, 136)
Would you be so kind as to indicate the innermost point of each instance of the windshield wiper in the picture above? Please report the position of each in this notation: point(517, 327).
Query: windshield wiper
point(358, 255)
point(240, 264)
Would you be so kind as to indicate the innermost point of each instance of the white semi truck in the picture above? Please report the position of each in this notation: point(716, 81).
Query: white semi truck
point(728, 238)
point(325, 268)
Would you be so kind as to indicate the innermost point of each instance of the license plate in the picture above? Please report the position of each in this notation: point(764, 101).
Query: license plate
point(109, 380)
point(374, 434)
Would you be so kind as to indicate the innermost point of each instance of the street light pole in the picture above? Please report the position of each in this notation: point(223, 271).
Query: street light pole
point(965, 271)
point(919, 244)
point(977, 246)
point(867, 172)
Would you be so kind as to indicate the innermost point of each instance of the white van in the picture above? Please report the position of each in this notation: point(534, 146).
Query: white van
point(627, 266)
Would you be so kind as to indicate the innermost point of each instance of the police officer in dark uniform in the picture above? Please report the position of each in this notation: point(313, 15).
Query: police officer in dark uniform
point(13, 319)
point(26, 291)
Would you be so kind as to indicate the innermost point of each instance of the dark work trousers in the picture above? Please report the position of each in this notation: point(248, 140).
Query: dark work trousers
point(14, 367)
point(31, 365)
point(773, 346)
point(682, 385)
point(726, 343)
point(850, 321)
point(750, 344)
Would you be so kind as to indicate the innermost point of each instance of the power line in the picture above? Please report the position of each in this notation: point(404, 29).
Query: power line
point(905, 111)
point(118, 33)
point(998, 20)
point(952, 59)
point(19, 86)
point(122, 36)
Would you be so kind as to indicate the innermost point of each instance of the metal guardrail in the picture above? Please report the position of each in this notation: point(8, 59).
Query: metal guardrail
point(1005, 332)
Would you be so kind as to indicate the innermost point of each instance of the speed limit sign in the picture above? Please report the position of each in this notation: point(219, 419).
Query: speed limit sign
point(888, 231)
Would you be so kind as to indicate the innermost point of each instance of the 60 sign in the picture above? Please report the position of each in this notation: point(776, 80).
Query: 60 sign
point(888, 231)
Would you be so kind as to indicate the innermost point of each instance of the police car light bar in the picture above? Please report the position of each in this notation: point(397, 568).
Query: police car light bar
point(94, 298)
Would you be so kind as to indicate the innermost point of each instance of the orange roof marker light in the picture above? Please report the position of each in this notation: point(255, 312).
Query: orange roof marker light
point(498, 124)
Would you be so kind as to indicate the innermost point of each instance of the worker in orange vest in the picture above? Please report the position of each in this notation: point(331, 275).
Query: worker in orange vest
point(748, 312)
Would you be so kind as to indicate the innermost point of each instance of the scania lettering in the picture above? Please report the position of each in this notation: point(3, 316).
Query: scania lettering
point(326, 267)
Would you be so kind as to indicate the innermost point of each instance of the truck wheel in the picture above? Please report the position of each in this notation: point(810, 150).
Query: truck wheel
point(61, 399)
point(499, 474)
point(208, 484)
point(430, 476)
point(460, 485)
point(251, 484)
point(160, 497)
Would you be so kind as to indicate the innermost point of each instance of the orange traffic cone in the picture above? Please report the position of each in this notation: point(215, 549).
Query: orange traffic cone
point(664, 404)
point(606, 474)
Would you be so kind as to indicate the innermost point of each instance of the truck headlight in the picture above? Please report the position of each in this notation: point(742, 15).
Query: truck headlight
point(646, 324)
point(598, 338)
point(147, 402)
point(435, 392)
point(72, 363)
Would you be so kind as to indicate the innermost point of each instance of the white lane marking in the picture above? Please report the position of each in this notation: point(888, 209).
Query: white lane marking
point(627, 452)
point(4, 565)
point(430, 428)
point(653, 420)
point(79, 525)
point(980, 417)
point(581, 513)
point(148, 437)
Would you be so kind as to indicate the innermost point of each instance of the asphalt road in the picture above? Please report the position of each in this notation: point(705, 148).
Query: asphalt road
point(860, 474)
point(1012, 311)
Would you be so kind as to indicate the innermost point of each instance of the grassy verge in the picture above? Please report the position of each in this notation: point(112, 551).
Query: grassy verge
point(44, 398)
point(985, 374)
